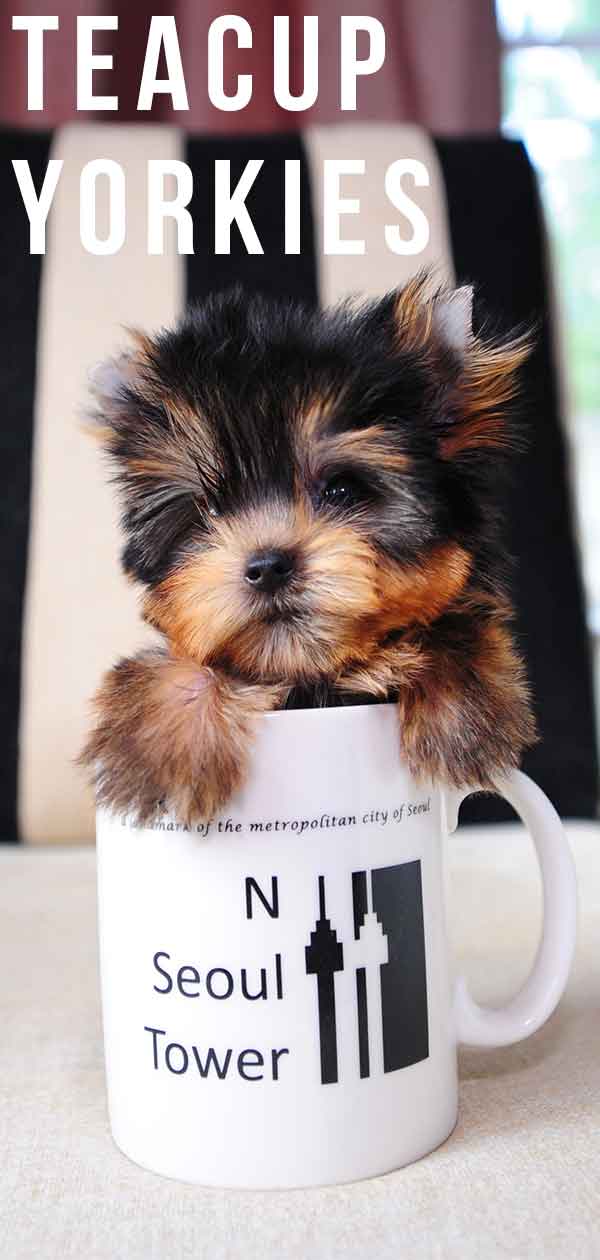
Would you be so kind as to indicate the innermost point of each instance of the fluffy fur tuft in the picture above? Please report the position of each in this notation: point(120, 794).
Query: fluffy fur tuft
point(311, 503)
point(187, 727)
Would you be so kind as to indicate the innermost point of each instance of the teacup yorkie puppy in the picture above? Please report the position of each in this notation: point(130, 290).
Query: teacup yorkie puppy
point(310, 502)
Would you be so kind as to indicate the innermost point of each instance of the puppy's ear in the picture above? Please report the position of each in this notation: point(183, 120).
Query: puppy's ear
point(480, 414)
point(147, 433)
point(426, 317)
point(476, 378)
point(452, 318)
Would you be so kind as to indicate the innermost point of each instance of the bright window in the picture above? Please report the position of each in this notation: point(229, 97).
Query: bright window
point(551, 77)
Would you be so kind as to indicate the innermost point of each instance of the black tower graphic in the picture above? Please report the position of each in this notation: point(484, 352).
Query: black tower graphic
point(360, 907)
point(398, 904)
point(325, 956)
point(399, 999)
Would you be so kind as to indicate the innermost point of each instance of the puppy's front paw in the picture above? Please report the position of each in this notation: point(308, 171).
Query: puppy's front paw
point(446, 743)
point(467, 721)
point(172, 735)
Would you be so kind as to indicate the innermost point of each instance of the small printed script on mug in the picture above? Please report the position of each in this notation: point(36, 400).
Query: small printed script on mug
point(390, 816)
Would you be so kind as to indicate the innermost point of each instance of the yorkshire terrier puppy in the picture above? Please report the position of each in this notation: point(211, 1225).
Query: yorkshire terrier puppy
point(310, 502)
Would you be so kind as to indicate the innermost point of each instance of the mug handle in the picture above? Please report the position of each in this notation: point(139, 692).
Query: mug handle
point(534, 1003)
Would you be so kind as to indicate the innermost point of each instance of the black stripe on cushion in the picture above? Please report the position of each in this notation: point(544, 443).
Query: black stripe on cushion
point(498, 243)
point(19, 283)
point(274, 272)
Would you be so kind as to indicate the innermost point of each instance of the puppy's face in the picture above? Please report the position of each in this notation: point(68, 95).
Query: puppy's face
point(296, 486)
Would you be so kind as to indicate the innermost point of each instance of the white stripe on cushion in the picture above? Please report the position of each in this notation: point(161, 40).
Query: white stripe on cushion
point(378, 269)
point(81, 613)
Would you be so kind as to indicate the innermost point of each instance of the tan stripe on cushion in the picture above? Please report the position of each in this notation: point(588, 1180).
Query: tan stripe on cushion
point(80, 611)
point(378, 269)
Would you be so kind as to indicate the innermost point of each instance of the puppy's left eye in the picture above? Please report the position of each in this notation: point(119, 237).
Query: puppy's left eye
point(342, 491)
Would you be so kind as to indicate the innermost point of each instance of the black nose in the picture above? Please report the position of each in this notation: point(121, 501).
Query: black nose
point(269, 570)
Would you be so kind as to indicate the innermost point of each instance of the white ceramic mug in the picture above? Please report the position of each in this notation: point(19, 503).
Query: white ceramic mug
point(277, 994)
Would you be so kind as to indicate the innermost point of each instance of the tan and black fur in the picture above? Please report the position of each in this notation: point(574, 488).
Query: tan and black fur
point(310, 502)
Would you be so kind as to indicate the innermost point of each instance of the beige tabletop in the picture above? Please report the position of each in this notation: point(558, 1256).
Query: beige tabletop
point(520, 1177)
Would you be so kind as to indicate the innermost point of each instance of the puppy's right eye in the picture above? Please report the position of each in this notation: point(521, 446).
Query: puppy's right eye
point(342, 491)
point(206, 509)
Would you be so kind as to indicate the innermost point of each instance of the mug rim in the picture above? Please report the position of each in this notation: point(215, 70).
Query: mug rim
point(347, 714)
point(329, 710)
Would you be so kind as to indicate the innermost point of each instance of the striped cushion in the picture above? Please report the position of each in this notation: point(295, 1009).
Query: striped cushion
point(66, 611)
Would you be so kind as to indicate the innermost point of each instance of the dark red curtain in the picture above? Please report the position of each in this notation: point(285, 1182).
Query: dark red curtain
point(441, 67)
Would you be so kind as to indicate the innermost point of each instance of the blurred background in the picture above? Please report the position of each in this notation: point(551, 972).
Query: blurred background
point(551, 98)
